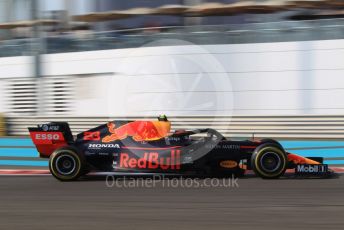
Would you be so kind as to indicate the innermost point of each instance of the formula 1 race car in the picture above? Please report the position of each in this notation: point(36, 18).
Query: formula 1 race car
point(149, 147)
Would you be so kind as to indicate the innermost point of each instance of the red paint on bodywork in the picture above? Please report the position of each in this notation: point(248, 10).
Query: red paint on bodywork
point(47, 142)
point(138, 130)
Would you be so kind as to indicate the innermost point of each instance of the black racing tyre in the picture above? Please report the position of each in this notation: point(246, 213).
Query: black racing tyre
point(66, 164)
point(269, 161)
point(271, 141)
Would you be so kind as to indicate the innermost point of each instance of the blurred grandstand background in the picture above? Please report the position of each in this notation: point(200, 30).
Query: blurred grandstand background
point(72, 26)
point(279, 58)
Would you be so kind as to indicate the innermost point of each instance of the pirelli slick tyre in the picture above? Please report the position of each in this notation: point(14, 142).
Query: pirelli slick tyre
point(269, 161)
point(66, 164)
point(271, 141)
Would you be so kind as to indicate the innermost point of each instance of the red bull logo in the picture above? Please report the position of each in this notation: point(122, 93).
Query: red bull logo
point(152, 160)
point(138, 130)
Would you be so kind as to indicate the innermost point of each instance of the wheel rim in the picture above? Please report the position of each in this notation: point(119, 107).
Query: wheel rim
point(270, 161)
point(65, 164)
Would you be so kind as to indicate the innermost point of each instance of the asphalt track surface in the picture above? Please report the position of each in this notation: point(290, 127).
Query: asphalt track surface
point(41, 202)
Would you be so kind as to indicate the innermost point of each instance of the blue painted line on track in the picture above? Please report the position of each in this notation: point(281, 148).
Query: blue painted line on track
point(24, 163)
point(18, 152)
point(16, 142)
point(309, 144)
point(334, 162)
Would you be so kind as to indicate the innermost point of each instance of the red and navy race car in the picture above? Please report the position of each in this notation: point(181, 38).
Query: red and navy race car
point(149, 147)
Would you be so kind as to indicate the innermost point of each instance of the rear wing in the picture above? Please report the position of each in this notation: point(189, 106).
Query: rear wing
point(49, 137)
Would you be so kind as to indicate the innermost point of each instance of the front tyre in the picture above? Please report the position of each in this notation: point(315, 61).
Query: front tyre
point(269, 161)
point(66, 164)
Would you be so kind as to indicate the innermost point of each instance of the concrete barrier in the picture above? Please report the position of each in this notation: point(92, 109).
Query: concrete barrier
point(309, 127)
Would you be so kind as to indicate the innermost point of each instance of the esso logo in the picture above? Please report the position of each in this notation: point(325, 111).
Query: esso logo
point(47, 136)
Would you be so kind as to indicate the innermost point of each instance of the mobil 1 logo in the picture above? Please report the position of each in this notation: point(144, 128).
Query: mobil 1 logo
point(311, 169)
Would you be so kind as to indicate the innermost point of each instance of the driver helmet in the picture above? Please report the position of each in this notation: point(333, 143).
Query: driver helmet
point(162, 117)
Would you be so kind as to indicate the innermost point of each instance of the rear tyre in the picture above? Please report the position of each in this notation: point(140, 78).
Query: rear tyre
point(269, 161)
point(66, 164)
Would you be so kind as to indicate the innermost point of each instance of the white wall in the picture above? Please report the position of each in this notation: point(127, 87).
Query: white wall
point(2, 97)
point(266, 78)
